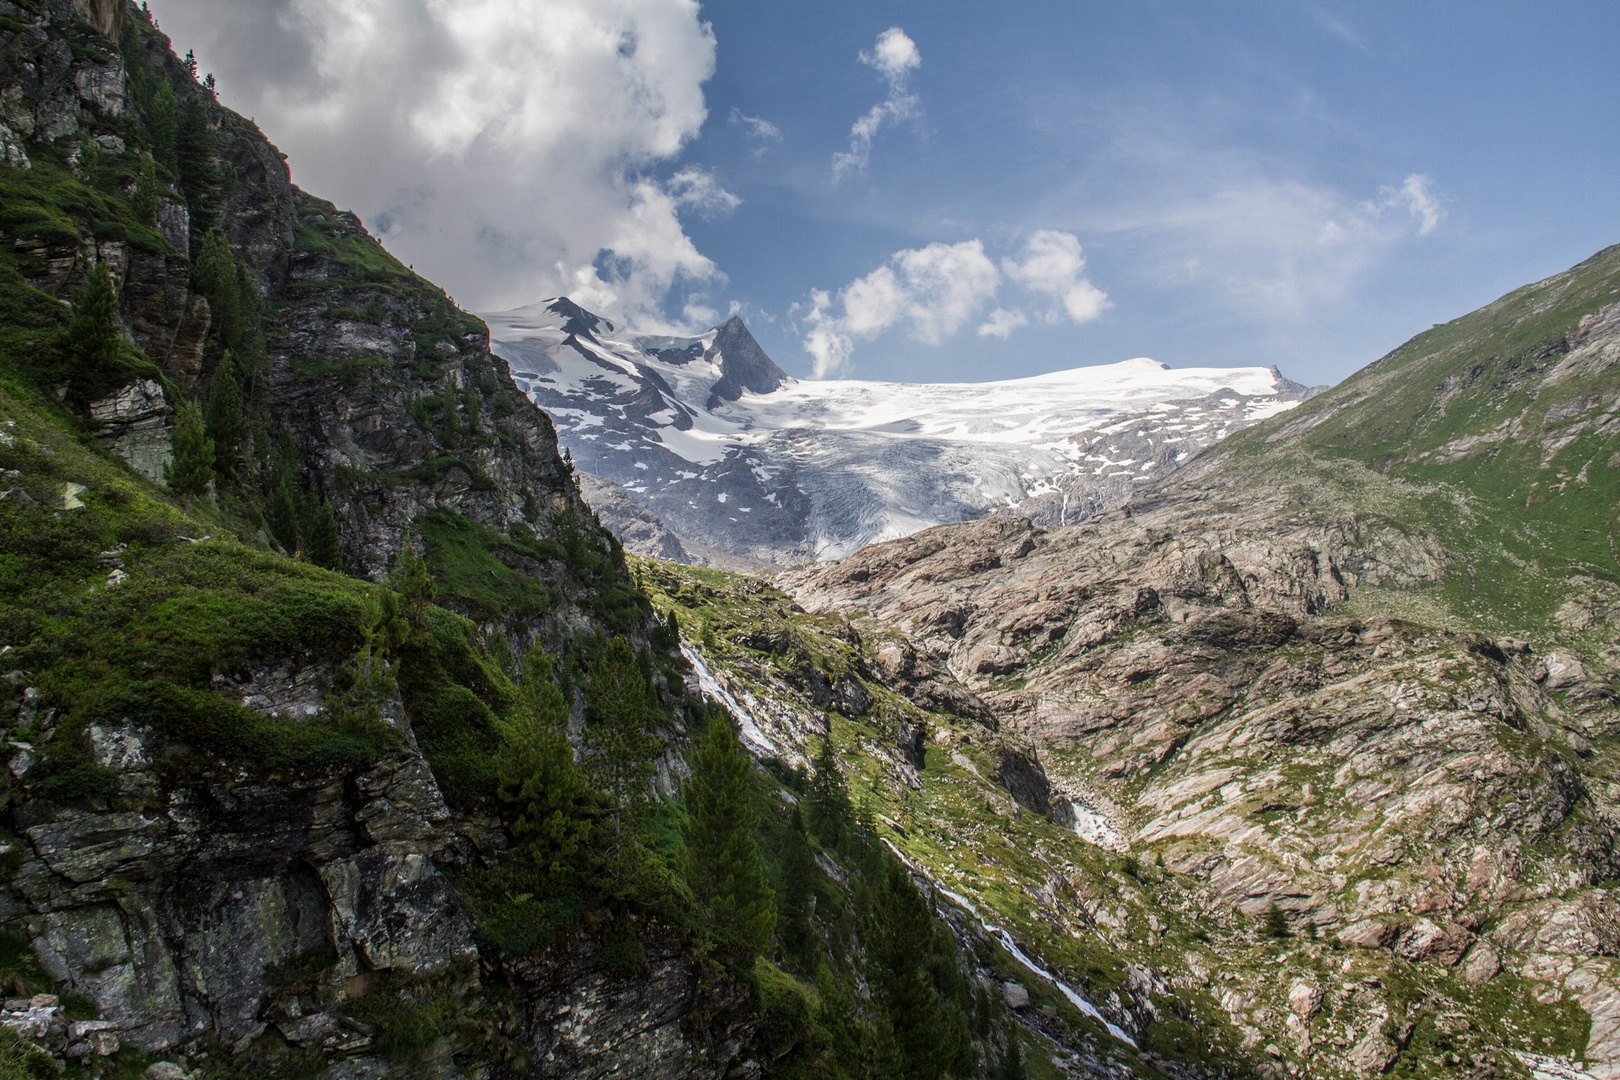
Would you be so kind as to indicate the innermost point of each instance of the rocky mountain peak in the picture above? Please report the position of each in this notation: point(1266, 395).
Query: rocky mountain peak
point(577, 320)
point(743, 364)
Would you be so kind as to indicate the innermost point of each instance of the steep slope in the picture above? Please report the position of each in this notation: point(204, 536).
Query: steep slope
point(1353, 665)
point(731, 454)
point(339, 742)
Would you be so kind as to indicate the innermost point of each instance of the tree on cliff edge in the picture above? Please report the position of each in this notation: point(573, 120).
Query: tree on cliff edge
point(723, 865)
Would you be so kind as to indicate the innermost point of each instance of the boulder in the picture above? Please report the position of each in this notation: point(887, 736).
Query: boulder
point(1482, 964)
point(1014, 995)
point(1368, 934)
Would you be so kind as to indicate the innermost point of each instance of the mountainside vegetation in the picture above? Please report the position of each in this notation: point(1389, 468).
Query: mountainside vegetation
point(341, 742)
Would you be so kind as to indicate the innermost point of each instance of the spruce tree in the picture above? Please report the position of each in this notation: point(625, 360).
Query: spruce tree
point(191, 466)
point(194, 151)
point(94, 336)
point(213, 276)
point(325, 545)
point(414, 584)
point(830, 813)
point(162, 118)
point(723, 866)
point(619, 747)
point(1011, 1065)
point(899, 937)
point(793, 927)
point(1276, 922)
point(539, 782)
point(281, 514)
point(223, 417)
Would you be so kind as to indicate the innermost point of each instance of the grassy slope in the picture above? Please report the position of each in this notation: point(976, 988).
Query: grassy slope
point(1527, 523)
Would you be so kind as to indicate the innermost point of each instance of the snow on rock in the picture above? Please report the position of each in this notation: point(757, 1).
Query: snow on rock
point(826, 467)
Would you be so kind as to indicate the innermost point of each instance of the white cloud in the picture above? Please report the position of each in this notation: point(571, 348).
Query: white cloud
point(895, 57)
point(762, 131)
point(1003, 322)
point(700, 191)
point(932, 291)
point(508, 150)
point(1053, 265)
point(1417, 195)
point(1234, 225)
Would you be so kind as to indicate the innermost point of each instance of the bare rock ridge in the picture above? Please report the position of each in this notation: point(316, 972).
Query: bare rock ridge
point(748, 467)
point(1355, 671)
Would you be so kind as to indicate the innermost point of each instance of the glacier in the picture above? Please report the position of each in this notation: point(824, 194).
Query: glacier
point(741, 464)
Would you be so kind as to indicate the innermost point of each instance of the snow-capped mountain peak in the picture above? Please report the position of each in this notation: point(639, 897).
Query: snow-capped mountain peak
point(709, 435)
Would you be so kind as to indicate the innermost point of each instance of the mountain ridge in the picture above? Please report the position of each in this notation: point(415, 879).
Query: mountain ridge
point(733, 456)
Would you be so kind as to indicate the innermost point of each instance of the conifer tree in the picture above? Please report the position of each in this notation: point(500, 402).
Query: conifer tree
point(162, 119)
point(194, 152)
point(414, 584)
point(619, 748)
point(830, 813)
point(191, 466)
point(539, 781)
point(899, 937)
point(1011, 1065)
point(793, 926)
point(723, 866)
point(224, 419)
point(325, 545)
point(281, 514)
point(213, 276)
point(93, 335)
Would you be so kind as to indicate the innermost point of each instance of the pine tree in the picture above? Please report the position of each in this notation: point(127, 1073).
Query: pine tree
point(162, 122)
point(224, 419)
point(414, 584)
point(146, 192)
point(281, 514)
point(1276, 922)
point(191, 467)
point(723, 866)
point(213, 276)
point(539, 781)
point(899, 936)
point(194, 152)
point(1011, 1065)
point(94, 336)
point(830, 813)
point(619, 747)
point(325, 545)
point(793, 927)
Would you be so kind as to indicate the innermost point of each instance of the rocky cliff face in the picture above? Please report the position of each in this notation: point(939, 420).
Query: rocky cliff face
point(1350, 673)
point(188, 894)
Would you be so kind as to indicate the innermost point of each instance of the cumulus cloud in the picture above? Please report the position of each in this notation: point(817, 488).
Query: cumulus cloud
point(895, 57)
point(508, 150)
point(1003, 322)
point(931, 291)
point(693, 188)
point(1053, 265)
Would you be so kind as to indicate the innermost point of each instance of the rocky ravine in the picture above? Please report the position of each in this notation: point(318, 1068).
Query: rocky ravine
point(1277, 674)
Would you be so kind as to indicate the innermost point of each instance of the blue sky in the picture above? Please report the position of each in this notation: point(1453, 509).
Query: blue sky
point(1297, 184)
